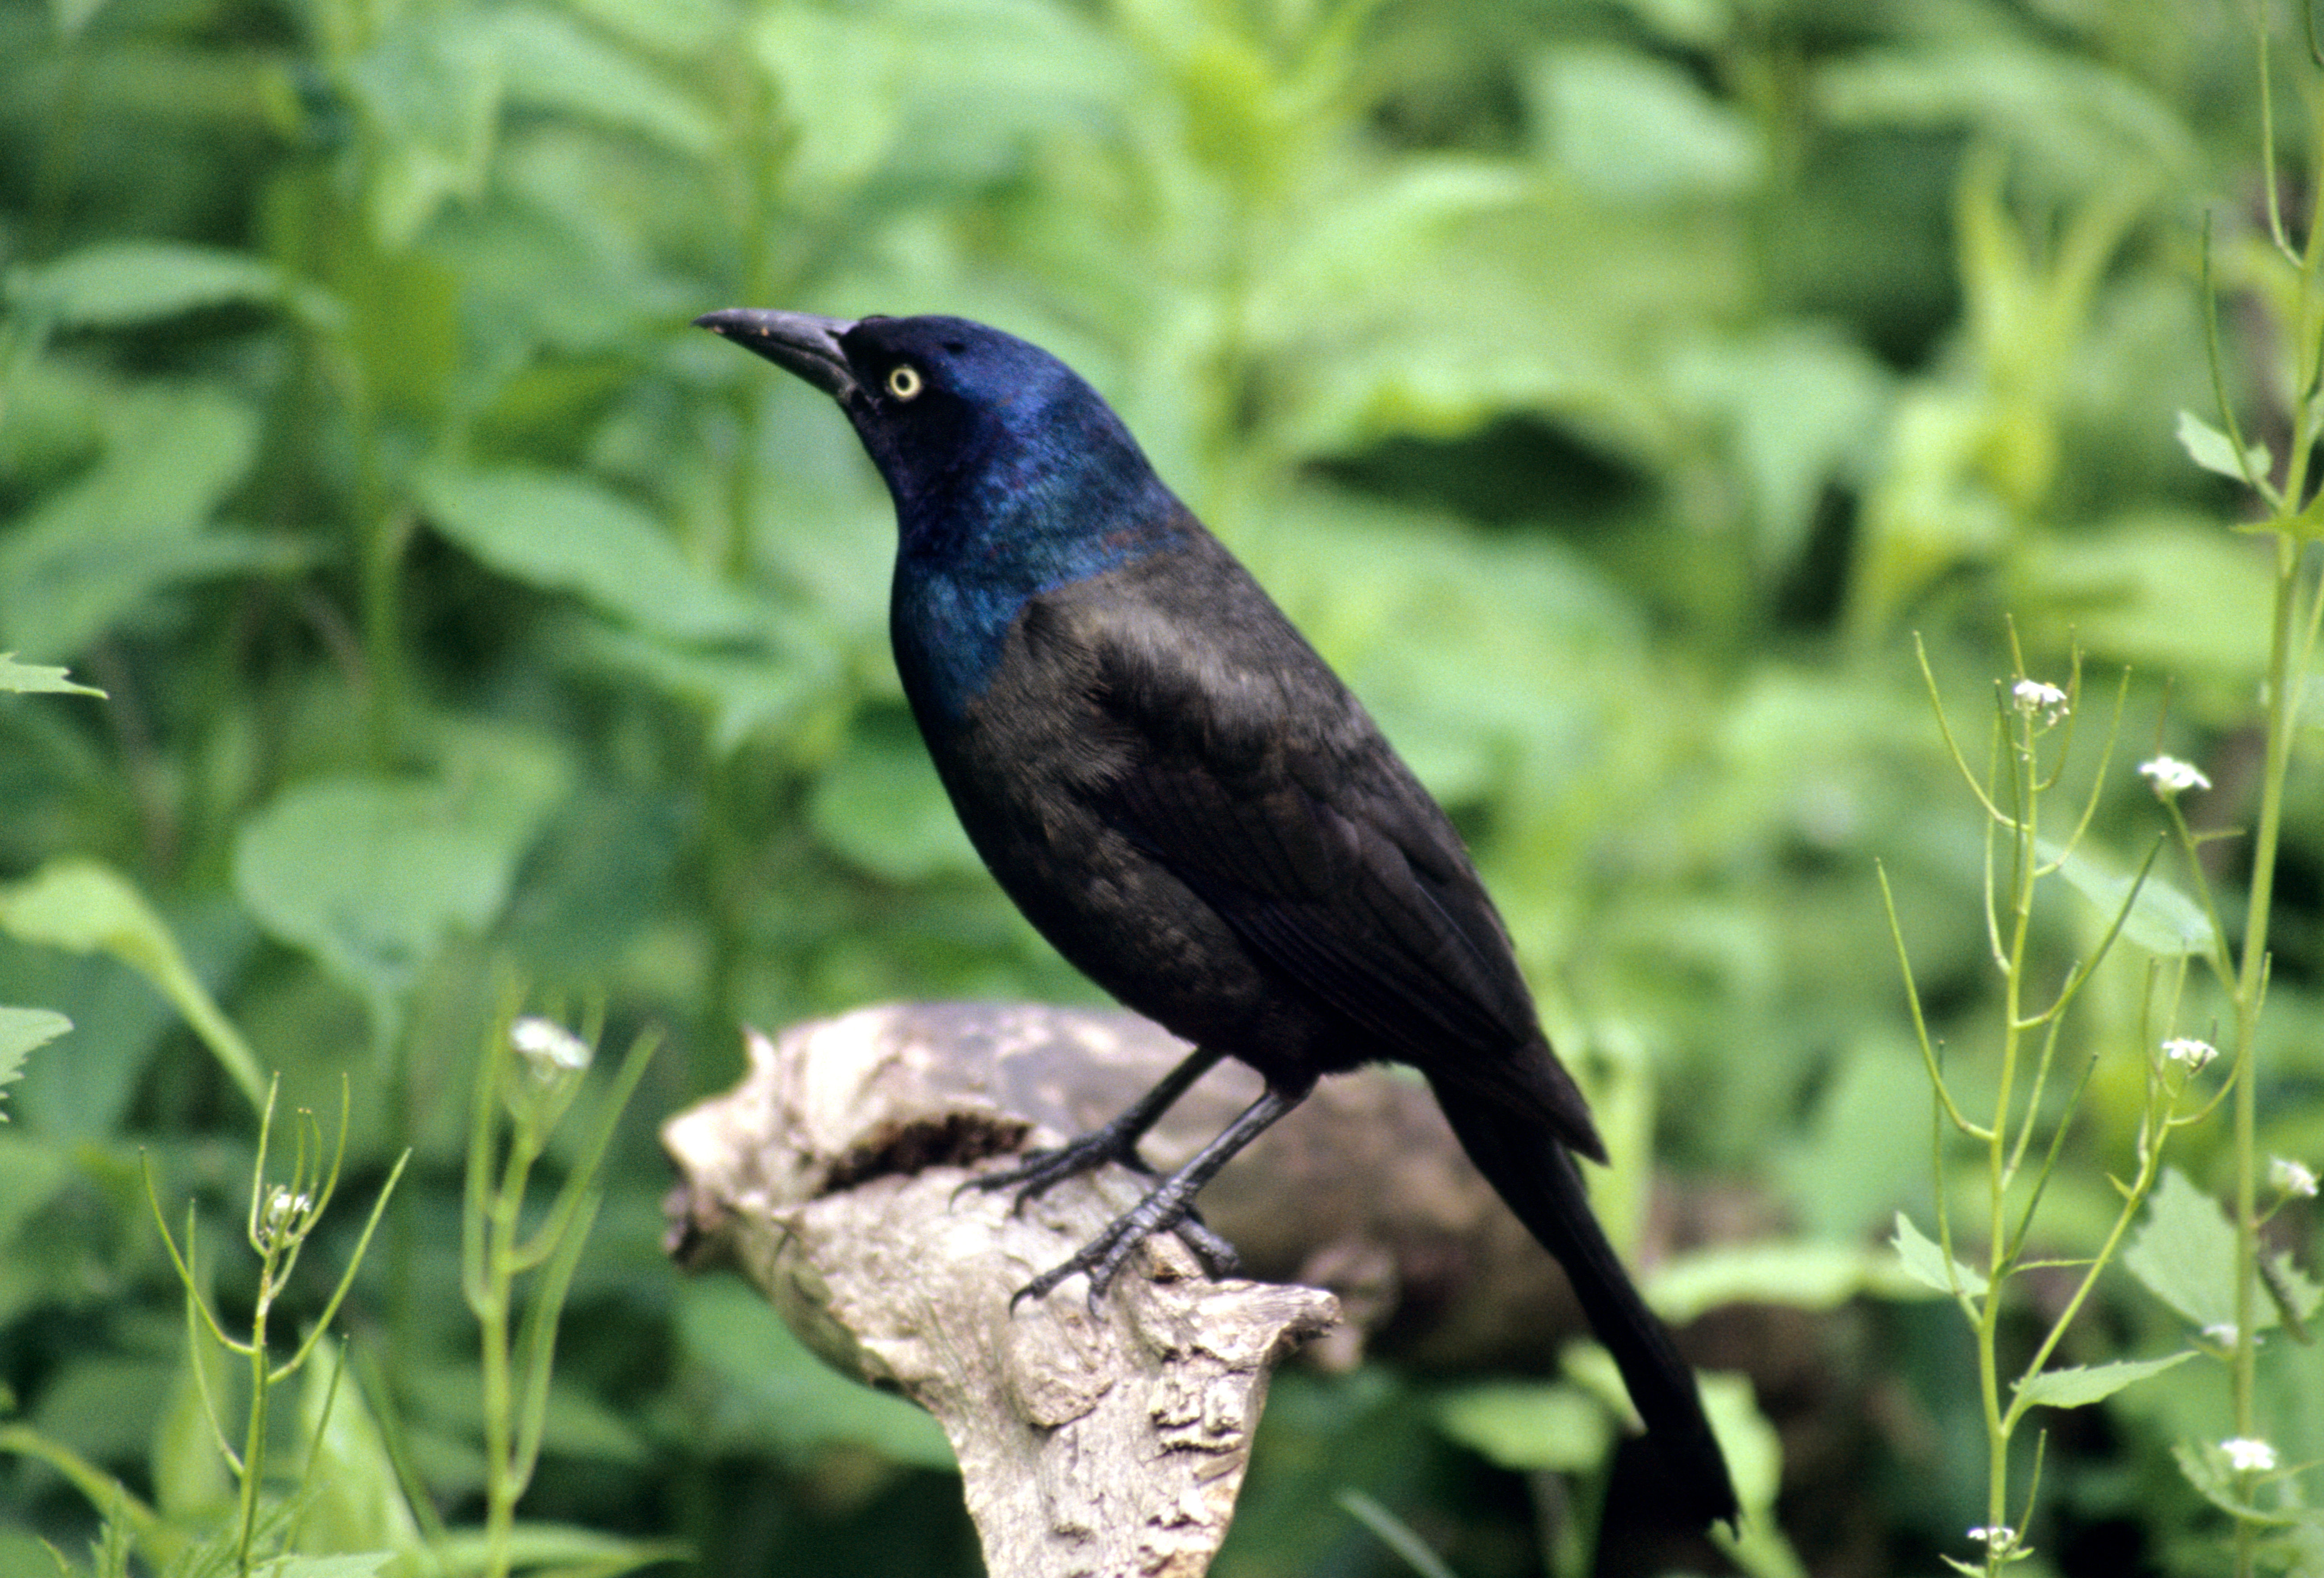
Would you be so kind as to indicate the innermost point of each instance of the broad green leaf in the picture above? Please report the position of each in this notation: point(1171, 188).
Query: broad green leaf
point(190, 1479)
point(1360, 258)
point(1926, 1262)
point(370, 875)
point(1627, 126)
point(554, 1548)
point(1529, 1425)
point(564, 532)
point(26, 677)
point(2124, 593)
point(355, 1495)
point(837, 77)
point(769, 1390)
point(2184, 1253)
point(1755, 1455)
point(2083, 121)
point(881, 804)
point(339, 1564)
point(430, 86)
point(2080, 1385)
point(550, 62)
point(746, 697)
point(118, 282)
point(1799, 409)
point(2207, 1470)
point(85, 906)
point(87, 555)
point(2213, 450)
point(23, 1032)
point(2295, 1295)
point(980, 79)
point(2162, 920)
point(1798, 1275)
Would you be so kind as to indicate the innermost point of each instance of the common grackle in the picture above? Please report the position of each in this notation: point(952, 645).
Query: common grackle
point(1183, 797)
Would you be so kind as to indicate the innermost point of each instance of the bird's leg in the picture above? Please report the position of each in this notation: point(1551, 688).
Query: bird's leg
point(1168, 1206)
point(1113, 1141)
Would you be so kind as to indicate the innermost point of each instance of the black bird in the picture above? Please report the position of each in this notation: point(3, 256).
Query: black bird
point(1183, 797)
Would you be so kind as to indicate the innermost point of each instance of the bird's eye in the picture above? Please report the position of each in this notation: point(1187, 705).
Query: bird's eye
point(904, 381)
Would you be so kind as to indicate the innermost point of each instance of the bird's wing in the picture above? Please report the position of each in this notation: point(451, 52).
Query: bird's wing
point(1265, 788)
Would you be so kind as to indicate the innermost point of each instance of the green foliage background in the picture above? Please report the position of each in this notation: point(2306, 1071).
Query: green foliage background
point(1609, 389)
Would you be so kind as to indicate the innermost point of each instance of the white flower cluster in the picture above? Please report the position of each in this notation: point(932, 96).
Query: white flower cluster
point(2170, 776)
point(547, 1047)
point(2035, 699)
point(2189, 1051)
point(2246, 1455)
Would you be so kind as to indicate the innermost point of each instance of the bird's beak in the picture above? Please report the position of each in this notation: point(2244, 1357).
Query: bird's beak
point(796, 342)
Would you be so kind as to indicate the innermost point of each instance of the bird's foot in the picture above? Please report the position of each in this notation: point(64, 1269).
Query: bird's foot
point(1042, 1170)
point(1169, 1208)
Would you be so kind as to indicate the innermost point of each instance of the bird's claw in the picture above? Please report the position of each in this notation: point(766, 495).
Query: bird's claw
point(1042, 1170)
point(1168, 1209)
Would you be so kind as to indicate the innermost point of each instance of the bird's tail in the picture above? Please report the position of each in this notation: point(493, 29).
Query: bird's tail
point(1542, 1184)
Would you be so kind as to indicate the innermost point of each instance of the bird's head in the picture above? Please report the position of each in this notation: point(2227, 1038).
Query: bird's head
point(957, 416)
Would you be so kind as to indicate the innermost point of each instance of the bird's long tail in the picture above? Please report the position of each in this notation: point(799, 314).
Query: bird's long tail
point(1542, 1184)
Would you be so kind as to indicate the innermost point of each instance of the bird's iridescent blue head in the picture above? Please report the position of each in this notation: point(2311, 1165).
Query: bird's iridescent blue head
point(990, 444)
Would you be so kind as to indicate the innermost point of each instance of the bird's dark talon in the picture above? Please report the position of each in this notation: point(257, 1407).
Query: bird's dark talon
point(1218, 1257)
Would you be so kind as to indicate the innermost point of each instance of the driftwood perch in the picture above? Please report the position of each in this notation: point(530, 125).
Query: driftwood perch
point(1111, 1443)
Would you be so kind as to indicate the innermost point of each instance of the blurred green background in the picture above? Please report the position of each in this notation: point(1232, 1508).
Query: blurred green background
point(1610, 389)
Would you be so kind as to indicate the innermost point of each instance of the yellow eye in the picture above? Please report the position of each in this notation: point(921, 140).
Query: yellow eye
point(904, 381)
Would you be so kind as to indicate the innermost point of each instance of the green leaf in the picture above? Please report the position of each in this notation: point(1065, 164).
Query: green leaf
point(26, 677)
point(2216, 1480)
point(2162, 920)
point(23, 1032)
point(881, 804)
point(556, 1548)
point(2080, 1385)
point(116, 283)
point(1627, 126)
point(355, 1497)
point(85, 906)
point(2128, 592)
point(566, 533)
point(370, 875)
point(1755, 1456)
point(1926, 1262)
point(343, 1565)
point(190, 1481)
point(748, 695)
point(429, 87)
point(88, 555)
point(2184, 1253)
point(1798, 1275)
point(769, 1390)
point(550, 62)
point(2213, 450)
point(1529, 1425)
point(837, 77)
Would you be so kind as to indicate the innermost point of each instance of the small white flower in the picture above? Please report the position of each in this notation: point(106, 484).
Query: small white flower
point(2169, 775)
point(2189, 1051)
point(1998, 1540)
point(549, 1047)
point(2245, 1454)
point(2223, 1333)
point(2290, 1176)
point(282, 1212)
point(2034, 698)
